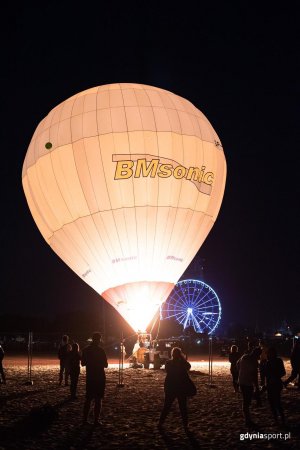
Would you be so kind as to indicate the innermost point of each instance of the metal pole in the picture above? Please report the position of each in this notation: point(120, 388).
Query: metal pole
point(210, 362)
point(121, 363)
point(29, 381)
point(31, 349)
point(103, 320)
point(28, 352)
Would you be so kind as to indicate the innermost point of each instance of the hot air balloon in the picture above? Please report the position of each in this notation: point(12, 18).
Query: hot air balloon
point(124, 182)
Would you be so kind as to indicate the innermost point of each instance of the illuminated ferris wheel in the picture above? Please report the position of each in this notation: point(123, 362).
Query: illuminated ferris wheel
point(193, 303)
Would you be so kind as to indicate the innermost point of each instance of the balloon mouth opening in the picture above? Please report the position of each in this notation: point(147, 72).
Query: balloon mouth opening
point(138, 302)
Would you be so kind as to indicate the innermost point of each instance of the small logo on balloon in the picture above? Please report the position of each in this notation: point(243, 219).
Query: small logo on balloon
point(218, 144)
point(86, 273)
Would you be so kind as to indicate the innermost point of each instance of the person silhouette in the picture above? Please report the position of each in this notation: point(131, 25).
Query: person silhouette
point(262, 365)
point(295, 363)
point(74, 368)
point(234, 356)
point(248, 380)
point(177, 373)
point(63, 356)
point(95, 360)
point(3, 378)
point(274, 370)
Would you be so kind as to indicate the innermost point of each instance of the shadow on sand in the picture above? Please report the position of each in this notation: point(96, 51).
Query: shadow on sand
point(172, 443)
point(20, 395)
point(39, 419)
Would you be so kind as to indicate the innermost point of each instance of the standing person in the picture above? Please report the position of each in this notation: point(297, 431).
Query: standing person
point(234, 356)
point(262, 366)
point(63, 355)
point(74, 358)
point(177, 376)
point(250, 347)
point(274, 371)
point(95, 360)
point(295, 363)
point(248, 380)
point(67, 363)
point(3, 378)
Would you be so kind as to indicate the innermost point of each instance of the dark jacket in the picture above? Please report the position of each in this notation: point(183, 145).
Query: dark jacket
point(295, 357)
point(233, 359)
point(63, 352)
point(274, 371)
point(95, 360)
point(177, 374)
point(74, 362)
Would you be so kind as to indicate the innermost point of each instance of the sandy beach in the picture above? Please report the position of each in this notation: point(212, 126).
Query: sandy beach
point(42, 416)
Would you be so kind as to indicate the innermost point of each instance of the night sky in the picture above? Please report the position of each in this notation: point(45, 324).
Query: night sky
point(238, 63)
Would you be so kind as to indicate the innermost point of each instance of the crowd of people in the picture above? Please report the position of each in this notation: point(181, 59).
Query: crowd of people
point(264, 362)
point(93, 357)
point(178, 384)
point(246, 369)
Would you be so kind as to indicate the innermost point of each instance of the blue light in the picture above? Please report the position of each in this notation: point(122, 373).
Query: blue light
point(193, 303)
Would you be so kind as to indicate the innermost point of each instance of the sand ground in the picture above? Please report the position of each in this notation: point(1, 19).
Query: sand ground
point(42, 416)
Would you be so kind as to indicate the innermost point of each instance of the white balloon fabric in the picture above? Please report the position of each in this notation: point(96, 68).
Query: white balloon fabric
point(124, 182)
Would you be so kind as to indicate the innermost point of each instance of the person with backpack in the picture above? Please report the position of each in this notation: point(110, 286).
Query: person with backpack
point(177, 385)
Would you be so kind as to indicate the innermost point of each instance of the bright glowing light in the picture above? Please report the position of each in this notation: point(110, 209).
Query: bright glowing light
point(139, 302)
point(124, 182)
point(189, 310)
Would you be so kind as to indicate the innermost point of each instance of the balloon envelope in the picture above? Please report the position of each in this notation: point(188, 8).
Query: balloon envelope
point(124, 182)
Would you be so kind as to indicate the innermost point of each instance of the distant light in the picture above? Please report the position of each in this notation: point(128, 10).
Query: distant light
point(278, 334)
point(190, 310)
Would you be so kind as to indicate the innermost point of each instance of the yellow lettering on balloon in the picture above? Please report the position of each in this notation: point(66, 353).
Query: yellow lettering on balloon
point(201, 174)
point(165, 171)
point(179, 172)
point(146, 167)
point(193, 172)
point(124, 170)
point(208, 178)
point(141, 166)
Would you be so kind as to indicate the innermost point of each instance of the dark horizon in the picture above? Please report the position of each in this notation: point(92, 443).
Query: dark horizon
point(239, 66)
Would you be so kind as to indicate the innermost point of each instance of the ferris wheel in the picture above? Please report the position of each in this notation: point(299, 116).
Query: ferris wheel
point(193, 303)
